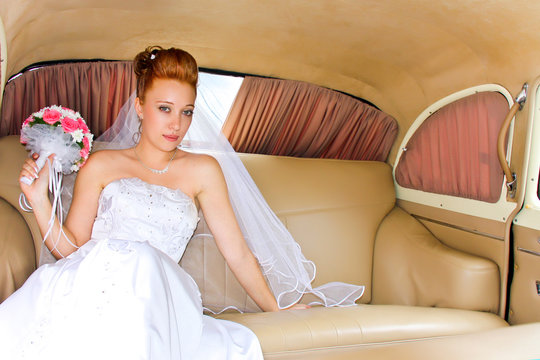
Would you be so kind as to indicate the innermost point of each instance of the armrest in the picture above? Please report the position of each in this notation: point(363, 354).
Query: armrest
point(17, 253)
point(412, 267)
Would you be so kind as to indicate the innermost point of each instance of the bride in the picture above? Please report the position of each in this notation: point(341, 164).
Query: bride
point(118, 291)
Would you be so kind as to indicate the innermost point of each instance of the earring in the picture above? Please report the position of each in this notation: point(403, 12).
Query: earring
point(137, 136)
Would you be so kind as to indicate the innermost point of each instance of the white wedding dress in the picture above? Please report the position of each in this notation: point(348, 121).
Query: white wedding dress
point(122, 295)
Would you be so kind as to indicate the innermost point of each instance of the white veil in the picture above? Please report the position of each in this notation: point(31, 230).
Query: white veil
point(288, 272)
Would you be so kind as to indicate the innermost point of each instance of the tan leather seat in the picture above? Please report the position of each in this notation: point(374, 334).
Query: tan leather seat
point(511, 342)
point(343, 215)
point(325, 328)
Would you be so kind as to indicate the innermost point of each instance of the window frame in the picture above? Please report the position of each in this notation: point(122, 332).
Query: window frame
point(499, 210)
point(528, 216)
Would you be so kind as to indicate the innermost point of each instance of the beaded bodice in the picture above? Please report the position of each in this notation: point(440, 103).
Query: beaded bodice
point(131, 209)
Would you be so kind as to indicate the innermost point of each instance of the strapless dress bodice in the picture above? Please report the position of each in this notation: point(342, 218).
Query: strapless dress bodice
point(133, 210)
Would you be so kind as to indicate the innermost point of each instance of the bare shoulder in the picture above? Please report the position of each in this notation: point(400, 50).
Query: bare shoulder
point(107, 155)
point(100, 165)
point(99, 160)
point(203, 164)
point(205, 173)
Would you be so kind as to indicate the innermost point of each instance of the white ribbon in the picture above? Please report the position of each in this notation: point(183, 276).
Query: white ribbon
point(55, 188)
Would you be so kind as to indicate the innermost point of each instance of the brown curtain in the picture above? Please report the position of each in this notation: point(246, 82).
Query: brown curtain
point(97, 90)
point(454, 151)
point(284, 117)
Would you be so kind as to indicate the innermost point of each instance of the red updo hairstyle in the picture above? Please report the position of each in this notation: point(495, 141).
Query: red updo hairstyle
point(158, 63)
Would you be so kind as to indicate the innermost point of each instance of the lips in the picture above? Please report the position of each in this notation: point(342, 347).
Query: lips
point(171, 138)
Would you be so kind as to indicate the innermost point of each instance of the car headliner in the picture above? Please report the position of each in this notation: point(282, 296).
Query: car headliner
point(400, 55)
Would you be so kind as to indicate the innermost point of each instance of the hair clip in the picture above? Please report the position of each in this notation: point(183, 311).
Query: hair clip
point(152, 56)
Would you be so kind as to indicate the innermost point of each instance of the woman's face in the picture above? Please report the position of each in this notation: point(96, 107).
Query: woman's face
point(166, 113)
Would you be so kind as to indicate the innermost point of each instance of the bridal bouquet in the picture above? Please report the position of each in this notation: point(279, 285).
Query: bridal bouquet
point(60, 131)
point(63, 132)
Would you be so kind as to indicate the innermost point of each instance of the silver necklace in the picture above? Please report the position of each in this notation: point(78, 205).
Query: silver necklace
point(156, 171)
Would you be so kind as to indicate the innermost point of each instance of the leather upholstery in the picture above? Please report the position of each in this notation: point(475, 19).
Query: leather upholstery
point(14, 270)
point(332, 209)
point(335, 210)
point(524, 296)
point(12, 155)
point(323, 328)
point(511, 342)
point(430, 273)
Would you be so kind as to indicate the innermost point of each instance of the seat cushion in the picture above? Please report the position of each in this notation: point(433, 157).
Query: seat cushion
point(323, 328)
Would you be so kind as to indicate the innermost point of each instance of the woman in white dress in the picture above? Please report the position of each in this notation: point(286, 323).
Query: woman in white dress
point(118, 292)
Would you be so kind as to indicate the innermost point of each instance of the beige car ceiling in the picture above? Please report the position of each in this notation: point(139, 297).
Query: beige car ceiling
point(400, 55)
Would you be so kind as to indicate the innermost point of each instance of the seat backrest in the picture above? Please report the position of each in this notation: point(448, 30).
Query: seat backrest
point(332, 208)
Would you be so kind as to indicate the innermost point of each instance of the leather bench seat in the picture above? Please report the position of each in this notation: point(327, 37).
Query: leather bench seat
point(324, 328)
point(504, 343)
point(343, 215)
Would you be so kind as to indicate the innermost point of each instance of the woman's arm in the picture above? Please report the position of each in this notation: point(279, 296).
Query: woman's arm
point(76, 230)
point(214, 201)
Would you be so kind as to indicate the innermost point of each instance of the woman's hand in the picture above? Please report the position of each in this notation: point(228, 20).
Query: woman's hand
point(37, 191)
point(298, 307)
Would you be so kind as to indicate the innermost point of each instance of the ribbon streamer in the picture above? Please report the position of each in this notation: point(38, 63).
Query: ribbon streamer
point(55, 188)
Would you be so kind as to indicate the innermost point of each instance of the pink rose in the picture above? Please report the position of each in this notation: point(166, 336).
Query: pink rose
point(69, 125)
point(86, 148)
point(28, 121)
point(51, 116)
point(82, 126)
point(84, 152)
point(86, 144)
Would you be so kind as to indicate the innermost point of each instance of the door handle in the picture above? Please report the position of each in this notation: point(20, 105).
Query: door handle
point(501, 148)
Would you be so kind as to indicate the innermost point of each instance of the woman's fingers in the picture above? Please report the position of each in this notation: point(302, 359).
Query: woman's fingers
point(30, 169)
point(298, 307)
